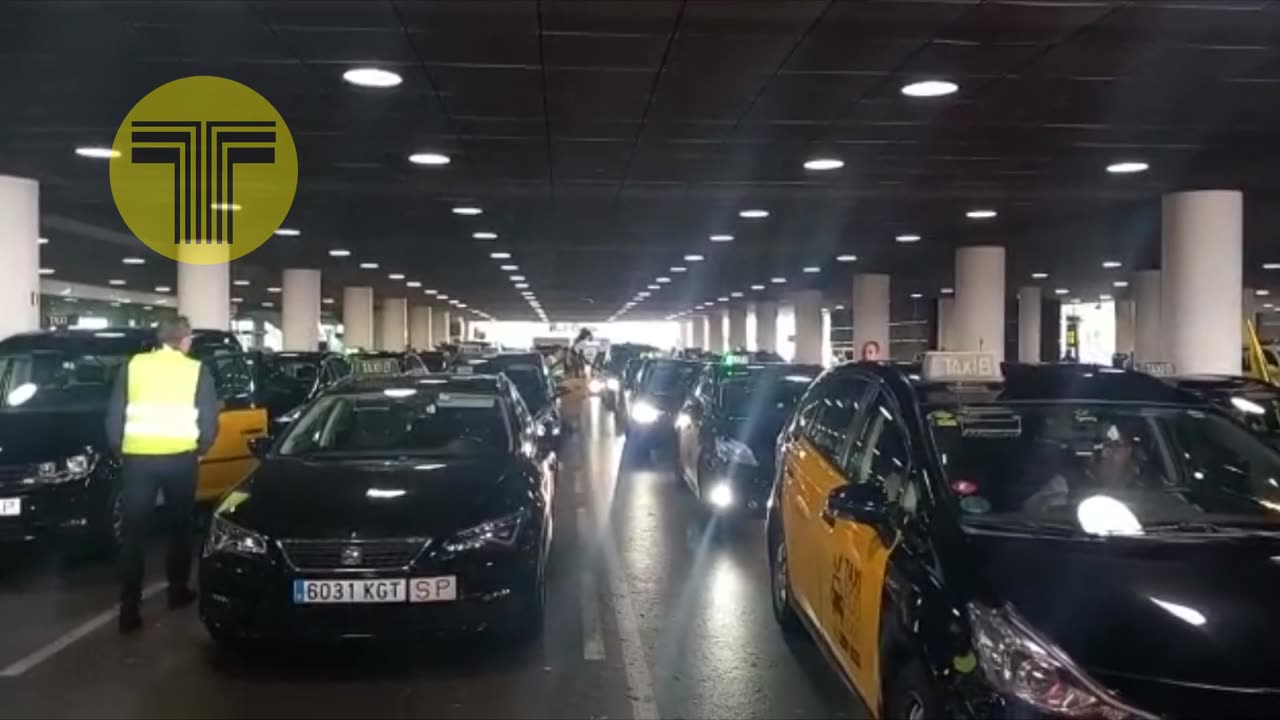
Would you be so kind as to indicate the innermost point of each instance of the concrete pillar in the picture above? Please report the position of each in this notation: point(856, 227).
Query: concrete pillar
point(204, 291)
point(686, 333)
point(395, 327)
point(420, 327)
point(300, 311)
point(715, 332)
point(871, 312)
point(20, 255)
point(767, 326)
point(357, 317)
point(1124, 327)
point(446, 325)
point(808, 309)
point(980, 299)
point(1029, 324)
point(946, 323)
point(737, 316)
point(1148, 328)
point(699, 331)
point(377, 328)
point(1202, 259)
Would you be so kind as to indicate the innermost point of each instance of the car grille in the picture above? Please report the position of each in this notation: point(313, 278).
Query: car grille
point(11, 476)
point(352, 554)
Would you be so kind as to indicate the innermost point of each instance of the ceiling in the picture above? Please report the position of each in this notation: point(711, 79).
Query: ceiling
point(606, 140)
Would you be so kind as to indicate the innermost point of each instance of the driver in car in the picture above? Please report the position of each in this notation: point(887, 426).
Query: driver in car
point(1113, 466)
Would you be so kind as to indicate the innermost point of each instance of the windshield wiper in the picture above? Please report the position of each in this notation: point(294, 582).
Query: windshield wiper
point(1017, 524)
point(1201, 527)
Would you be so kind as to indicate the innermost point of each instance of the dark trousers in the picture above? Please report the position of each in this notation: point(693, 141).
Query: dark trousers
point(144, 477)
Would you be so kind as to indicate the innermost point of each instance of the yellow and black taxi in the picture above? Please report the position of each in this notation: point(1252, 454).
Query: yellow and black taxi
point(1043, 541)
point(394, 504)
point(56, 474)
point(288, 379)
point(728, 428)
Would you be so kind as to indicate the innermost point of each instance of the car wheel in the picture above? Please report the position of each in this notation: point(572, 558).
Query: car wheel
point(911, 695)
point(780, 588)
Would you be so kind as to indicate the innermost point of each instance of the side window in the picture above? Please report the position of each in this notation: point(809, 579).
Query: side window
point(881, 456)
point(522, 415)
point(836, 408)
point(232, 379)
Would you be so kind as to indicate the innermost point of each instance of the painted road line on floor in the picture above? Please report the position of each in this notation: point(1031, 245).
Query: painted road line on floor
point(73, 635)
point(589, 600)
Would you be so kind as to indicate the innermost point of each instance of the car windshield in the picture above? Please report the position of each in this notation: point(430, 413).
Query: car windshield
point(532, 388)
point(1104, 468)
point(762, 393)
point(667, 378)
point(396, 422)
point(296, 368)
point(56, 380)
point(1257, 411)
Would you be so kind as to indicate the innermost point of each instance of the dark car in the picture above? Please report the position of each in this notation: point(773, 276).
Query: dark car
point(606, 379)
point(652, 407)
point(1065, 541)
point(728, 428)
point(57, 475)
point(434, 360)
point(288, 379)
point(392, 505)
point(532, 380)
point(385, 362)
point(1253, 403)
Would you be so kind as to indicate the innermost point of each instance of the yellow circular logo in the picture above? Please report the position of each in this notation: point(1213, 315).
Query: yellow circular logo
point(203, 170)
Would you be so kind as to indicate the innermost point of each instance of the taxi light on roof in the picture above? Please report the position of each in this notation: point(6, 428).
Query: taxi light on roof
point(961, 367)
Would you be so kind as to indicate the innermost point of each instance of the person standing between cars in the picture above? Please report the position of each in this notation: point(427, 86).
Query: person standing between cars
point(162, 416)
point(870, 351)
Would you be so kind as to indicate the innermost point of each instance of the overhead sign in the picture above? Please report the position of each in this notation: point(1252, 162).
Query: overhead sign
point(961, 367)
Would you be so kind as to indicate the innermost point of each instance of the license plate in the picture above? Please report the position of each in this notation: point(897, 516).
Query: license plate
point(433, 589)
point(348, 591)
point(10, 507)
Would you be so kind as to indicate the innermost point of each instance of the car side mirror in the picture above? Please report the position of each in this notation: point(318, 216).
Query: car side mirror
point(861, 503)
point(260, 446)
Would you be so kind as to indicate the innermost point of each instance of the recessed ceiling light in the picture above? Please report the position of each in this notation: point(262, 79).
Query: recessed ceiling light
point(1105, 296)
point(662, 280)
point(654, 287)
point(99, 153)
point(442, 296)
point(1120, 284)
point(484, 235)
point(429, 158)
point(326, 301)
point(1039, 275)
point(500, 255)
point(413, 284)
point(509, 268)
point(1111, 264)
point(339, 253)
point(1061, 291)
point(693, 258)
point(1271, 266)
point(467, 210)
point(162, 288)
point(735, 294)
point(980, 214)
point(679, 269)
point(916, 296)
point(823, 164)
point(268, 304)
point(517, 278)
point(754, 213)
point(1125, 168)
point(777, 280)
point(395, 276)
point(930, 88)
point(46, 271)
point(42, 241)
point(1262, 292)
point(813, 269)
point(237, 300)
point(368, 266)
point(288, 232)
point(757, 287)
point(721, 238)
point(947, 291)
point(273, 290)
point(430, 291)
point(907, 238)
point(115, 281)
point(240, 283)
point(722, 299)
point(846, 258)
point(133, 261)
point(521, 286)
point(372, 77)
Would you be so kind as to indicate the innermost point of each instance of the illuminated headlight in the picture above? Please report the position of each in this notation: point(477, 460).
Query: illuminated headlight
point(501, 531)
point(645, 413)
point(683, 421)
point(595, 386)
point(1019, 663)
point(720, 495)
point(733, 452)
point(612, 384)
point(76, 467)
point(227, 537)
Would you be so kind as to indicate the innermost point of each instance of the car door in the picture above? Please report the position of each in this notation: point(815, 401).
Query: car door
point(689, 424)
point(859, 554)
point(812, 469)
point(239, 420)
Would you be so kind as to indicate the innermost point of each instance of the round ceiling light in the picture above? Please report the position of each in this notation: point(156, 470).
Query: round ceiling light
point(693, 258)
point(1061, 291)
point(240, 283)
point(500, 255)
point(754, 213)
point(116, 283)
point(980, 214)
point(1111, 264)
point(133, 261)
point(162, 288)
point(509, 268)
point(368, 266)
point(395, 276)
point(757, 287)
point(429, 158)
point(846, 258)
point(1126, 168)
point(465, 210)
point(813, 269)
point(273, 290)
point(1120, 283)
point(484, 235)
point(372, 77)
point(662, 280)
point(288, 232)
point(1039, 275)
point(908, 238)
point(929, 88)
point(916, 296)
point(339, 252)
point(721, 238)
point(98, 153)
point(823, 164)
point(777, 280)
point(679, 269)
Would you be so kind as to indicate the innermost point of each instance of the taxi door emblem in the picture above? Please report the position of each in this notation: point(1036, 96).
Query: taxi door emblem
point(352, 555)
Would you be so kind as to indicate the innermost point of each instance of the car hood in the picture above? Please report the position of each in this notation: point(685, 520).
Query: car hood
point(1180, 610)
point(428, 497)
point(31, 436)
point(666, 402)
point(760, 433)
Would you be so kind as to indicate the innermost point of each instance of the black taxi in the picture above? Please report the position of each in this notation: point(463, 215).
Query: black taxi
point(1033, 541)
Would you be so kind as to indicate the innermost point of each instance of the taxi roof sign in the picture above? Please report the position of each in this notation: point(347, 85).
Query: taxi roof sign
point(956, 367)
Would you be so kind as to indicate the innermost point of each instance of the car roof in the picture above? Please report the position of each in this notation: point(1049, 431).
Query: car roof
point(766, 368)
point(1223, 383)
point(109, 340)
point(481, 384)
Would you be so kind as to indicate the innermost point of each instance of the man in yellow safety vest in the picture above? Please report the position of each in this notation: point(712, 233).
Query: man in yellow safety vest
point(162, 416)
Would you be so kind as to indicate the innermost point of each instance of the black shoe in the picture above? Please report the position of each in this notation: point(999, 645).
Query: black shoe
point(130, 621)
point(180, 597)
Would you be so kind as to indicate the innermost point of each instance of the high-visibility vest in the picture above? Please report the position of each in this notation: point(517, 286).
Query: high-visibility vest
point(160, 416)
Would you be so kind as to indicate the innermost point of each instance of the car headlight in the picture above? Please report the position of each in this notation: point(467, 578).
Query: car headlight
point(645, 413)
point(733, 452)
point(595, 386)
point(76, 467)
point(1020, 663)
point(227, 537)
point(612, 384)
point(499, 531)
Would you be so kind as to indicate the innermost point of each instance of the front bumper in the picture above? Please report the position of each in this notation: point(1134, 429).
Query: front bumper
point(44, 510)
point(253, 597)
point(750, 484)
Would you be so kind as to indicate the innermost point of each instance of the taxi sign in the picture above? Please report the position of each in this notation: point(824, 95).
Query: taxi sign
point(961, 367)
point(375, 366)
point(1158, 369)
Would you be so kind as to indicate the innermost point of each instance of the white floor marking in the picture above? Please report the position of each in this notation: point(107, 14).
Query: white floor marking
point(639, 679)
point(592, 630)
point(73, 635)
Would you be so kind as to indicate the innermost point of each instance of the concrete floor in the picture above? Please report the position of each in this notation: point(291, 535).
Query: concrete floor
point(652, 612)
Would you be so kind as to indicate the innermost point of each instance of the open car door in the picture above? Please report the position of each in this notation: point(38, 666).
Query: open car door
point(240, 420)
